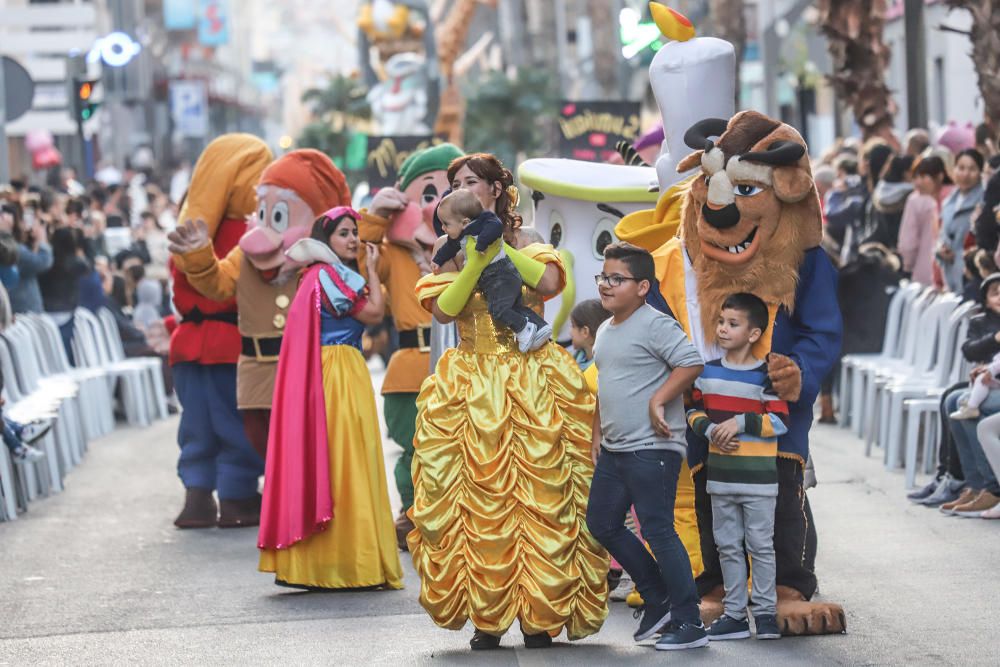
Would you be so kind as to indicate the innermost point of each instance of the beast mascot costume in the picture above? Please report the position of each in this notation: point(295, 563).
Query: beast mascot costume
point(292, 192)
point(400, 219)
point(750, 222)
point(746, 219)
point(215, 453)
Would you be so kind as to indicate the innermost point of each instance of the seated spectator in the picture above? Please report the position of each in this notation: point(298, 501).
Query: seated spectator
point(918, 229)
point(19, 438)
point(987, 218)
point(956, 217)
point(980, 490)
point(150, 236)
point(60, 285)
point(34, 257)
point(888, 200)
point(147, 318)
point(130, 269)
point(845, 203)
point(915, 142)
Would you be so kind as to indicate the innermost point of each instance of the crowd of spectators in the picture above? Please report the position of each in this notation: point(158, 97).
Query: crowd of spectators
point(928, 211)
point(97, 246)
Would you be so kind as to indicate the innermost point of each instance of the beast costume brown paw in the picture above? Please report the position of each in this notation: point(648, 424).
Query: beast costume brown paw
point(750, 222)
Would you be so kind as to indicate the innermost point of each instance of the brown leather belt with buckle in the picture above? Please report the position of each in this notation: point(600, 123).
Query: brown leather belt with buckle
point(419, 338)
point(263, 348)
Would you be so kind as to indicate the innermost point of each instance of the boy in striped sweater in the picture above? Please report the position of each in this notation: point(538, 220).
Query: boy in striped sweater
point(741, 419)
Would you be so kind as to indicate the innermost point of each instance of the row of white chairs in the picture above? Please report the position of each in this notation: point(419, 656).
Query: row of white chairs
point(891, 399)
point(41, 384)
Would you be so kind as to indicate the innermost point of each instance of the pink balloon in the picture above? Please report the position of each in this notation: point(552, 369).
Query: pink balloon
point(37, 140)
point(45, 158)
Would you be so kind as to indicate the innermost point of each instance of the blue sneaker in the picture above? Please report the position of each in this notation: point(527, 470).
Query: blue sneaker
point(654, 617)
point(924, 492)
point(727, 627)
point(681, 636)
point(767, 627)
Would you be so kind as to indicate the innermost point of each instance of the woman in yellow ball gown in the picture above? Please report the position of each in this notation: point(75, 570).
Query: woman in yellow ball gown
point(326, 520)
point(502, 467)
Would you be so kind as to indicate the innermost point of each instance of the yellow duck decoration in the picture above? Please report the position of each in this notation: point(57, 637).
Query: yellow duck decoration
point(384, 20)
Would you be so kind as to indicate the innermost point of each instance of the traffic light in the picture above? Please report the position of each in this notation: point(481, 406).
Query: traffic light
point(83, 103)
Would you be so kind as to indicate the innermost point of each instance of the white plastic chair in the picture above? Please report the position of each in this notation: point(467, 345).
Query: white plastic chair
point(921, 437)
point(94, 395)
point(889, 343)
point(915, 350)
point(852, 385)
point(932, 382)
point(92, 349)
point(60, 390)
point(25, 405)
point(155, 391)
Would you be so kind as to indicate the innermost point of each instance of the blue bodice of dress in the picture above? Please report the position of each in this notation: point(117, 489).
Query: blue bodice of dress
point(339, 330)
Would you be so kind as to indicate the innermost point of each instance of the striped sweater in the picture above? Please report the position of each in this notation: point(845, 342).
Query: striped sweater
point(745, 394)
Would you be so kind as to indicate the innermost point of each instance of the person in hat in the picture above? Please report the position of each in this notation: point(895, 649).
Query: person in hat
point(400, 220)
point(291, 192)
point(215, 453)
point(326, 520)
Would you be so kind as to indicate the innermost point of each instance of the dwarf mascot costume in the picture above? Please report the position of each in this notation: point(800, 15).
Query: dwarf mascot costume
point(401, 220)
point(215, 453)
point(292, 192)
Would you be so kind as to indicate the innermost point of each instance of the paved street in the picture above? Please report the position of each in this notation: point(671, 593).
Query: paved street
point(98, 575)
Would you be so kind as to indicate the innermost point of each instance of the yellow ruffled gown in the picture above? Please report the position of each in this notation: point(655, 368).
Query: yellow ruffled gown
point(501, 474)
point(358, 546)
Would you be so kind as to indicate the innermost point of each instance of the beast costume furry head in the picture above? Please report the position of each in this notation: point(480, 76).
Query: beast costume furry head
point(750, 216)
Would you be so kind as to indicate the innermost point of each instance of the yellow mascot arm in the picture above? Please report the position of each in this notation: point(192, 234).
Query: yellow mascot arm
point(213, 278)
point(371, 227)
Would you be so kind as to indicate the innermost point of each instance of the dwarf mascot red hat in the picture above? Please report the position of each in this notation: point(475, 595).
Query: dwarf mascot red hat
point(312, 175)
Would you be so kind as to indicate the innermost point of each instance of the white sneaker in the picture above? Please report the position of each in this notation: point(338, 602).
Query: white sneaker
point(542, 336)
point(526, 336)
point(35, 431)
point(30, 454)
point(623, 589)
point(966, 412)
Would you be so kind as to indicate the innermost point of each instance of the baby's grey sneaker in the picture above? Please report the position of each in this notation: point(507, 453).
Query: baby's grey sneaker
point(542, 336)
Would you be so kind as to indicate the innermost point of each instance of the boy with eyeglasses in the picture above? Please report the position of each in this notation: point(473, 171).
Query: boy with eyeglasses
point(643, 357)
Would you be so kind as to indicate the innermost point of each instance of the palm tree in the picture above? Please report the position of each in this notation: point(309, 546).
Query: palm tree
point(853, 29)
point(341, 101)
point(509, 116)
point(341, 112)
point(985, 37)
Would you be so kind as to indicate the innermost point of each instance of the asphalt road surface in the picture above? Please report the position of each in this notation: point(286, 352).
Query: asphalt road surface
point(99, 575)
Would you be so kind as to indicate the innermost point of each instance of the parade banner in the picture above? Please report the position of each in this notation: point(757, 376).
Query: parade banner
point(180, 14)
point(386, 156)
point(189, 108)
point(213, 23)
point(589, 130)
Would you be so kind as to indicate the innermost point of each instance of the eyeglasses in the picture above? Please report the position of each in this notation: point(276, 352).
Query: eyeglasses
point(613, 280)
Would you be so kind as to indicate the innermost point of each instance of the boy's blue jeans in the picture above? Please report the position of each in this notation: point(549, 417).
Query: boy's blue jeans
point(646, 479)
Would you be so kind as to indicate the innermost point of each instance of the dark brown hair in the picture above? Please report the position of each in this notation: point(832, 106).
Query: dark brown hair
point(324, 226)
point(932, 166)
point(750, 305)
point(638, 260)
point(590, 314)
point(489, 168)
